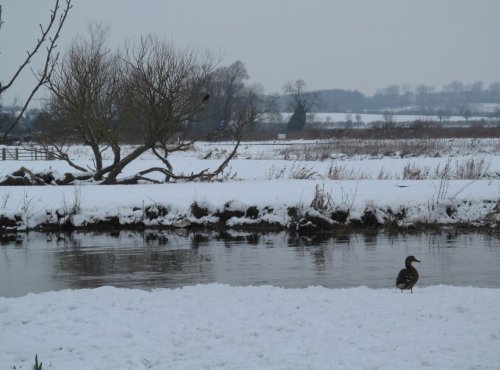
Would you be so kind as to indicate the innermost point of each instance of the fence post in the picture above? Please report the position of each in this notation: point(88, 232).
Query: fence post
point(4, 154)
point(17, 154)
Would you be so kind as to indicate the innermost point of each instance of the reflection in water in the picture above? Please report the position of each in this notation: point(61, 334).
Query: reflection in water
point(38, 262)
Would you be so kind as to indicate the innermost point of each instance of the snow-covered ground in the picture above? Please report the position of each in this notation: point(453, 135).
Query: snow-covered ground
point(396, 117)
point(472, 201)
point(462, 185)
point(222, 327)
point(369, 117)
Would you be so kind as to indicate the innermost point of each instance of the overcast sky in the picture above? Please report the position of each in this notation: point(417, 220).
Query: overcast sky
point(349, 44)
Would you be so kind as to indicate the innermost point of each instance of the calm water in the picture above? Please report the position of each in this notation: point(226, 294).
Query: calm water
point(38, 262)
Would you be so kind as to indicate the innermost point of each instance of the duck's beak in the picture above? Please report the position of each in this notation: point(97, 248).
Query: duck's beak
point(416, 260)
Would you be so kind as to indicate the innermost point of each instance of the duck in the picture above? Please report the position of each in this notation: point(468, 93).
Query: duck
point(408, 276)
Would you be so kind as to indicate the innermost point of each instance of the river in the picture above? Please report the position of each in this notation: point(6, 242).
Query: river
point(38, 262)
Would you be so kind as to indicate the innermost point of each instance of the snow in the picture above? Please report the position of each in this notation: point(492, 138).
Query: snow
point(473, 200)
point(395, 116)
point(221, 327)
point(266, 179)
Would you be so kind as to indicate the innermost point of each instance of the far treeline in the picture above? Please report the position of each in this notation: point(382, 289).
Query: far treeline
point(154, 93)
point(452, 99)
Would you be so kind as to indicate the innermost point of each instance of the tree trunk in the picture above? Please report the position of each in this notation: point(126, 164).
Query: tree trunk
point(97, 156)
point(98, 176)
point(118, 168)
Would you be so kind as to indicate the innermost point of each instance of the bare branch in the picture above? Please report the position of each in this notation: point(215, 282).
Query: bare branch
point(1, 22)
point(61, 153)
point(299, 96)
point(205, 175)
point(50, 61)
point(84, 90)
point(166, 87)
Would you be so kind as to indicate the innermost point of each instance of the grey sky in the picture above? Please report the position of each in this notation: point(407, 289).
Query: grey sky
point(350, 44)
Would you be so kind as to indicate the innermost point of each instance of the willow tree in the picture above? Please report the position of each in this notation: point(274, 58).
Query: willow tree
point(301, 102)
point(157, 88)
point(84, 89)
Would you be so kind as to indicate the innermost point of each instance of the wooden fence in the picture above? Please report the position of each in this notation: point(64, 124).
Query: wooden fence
point(26, 154)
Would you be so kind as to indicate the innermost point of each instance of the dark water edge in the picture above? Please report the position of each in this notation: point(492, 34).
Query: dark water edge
point(38, 262)
point(309, 221)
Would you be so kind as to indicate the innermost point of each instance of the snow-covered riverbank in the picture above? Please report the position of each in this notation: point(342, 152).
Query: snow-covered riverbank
point(254, 203)
point(222, 327)
point(257, 190)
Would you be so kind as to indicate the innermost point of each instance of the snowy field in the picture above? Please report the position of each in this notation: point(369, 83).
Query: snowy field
point(221, 327)
point(451, 181)
point(368, 118)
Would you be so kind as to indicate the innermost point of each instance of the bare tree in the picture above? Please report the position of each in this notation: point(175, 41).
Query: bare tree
point(234, 104)
point(243, 107)
point(301, 102)
point(168, 89)
point(152, 85)
point(84, 93)
point(49, 34)
point(296, 90)
point(164, 88)
point(227, 85)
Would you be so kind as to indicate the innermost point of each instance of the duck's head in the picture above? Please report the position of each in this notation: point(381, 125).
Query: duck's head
point(410, 259)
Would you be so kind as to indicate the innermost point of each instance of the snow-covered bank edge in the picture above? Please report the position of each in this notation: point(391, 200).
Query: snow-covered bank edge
point(219, 326)
point(297, 217)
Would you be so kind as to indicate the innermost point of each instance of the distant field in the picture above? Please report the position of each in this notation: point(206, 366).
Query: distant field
point(365, 118)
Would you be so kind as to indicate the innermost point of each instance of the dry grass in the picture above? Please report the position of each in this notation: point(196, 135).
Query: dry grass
point(322, 200)
point(414, 172)
point(294, 171)
point(472, 169)
point(466, 169)
point(334, 148)
point(469, 169)
point(342, 172)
